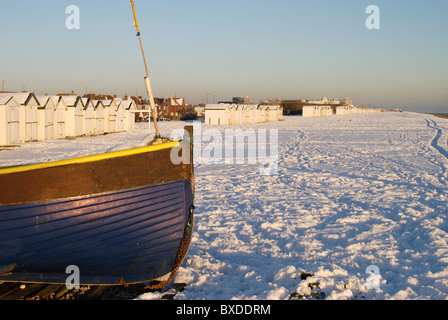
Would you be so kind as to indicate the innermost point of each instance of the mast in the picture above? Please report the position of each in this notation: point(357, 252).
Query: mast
point(147, 82)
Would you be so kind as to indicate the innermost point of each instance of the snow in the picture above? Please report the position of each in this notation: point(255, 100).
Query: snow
point(349, 192)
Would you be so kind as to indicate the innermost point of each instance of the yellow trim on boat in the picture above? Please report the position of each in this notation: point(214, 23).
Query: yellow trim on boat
point(93, 158)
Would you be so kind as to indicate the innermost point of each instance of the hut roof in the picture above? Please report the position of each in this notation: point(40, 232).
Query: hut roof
point(5, 98)
point(221, 106)
point(71, 101)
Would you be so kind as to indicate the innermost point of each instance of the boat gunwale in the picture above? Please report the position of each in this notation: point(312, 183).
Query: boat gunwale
point(87, 159)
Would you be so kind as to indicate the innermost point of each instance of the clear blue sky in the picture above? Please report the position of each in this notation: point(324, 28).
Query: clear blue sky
point(258, 48)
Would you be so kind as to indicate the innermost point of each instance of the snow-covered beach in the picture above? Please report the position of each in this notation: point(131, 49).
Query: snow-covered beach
point(350, 192)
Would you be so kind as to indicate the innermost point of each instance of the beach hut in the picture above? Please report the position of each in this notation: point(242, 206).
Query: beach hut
point(106, 104)
point(217, 114)
point(239, 109)
point(308, 111)
point(46, 114)
point(327, 111)
point(279, 113)
point(99, 117)
point(247, 114)
point(60, 115)
point(261, 112)
point(80, 123)
point(223, 114)
point(130, 109)
point(28, 115)
point(73, 104)
point(120, 115)
point(234, 114)
point(275, 113)
point(89, 117)
point(344, 110)
point(9, 120)
point(341, 110)
point(111, 115)
point(31, 118)
point(317, 111)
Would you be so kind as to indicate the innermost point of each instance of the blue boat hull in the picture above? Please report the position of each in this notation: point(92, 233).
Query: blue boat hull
point(125, 236)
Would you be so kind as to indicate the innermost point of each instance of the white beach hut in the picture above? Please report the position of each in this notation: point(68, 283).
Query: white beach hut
point(234, 114)
point(266, 114)
point(340, 110)
point(130, 109)
point(60, 115)
point(307, 111)
point(260, 114)
point(217, 114)
point(250, 113)
point(111, 108)
point(223, 114)
point(275, 113)
point(73, 104)
point(327, 111)
point(45, 118)
point(89, 117)
point(9, 120)
point(99, 117)
point(80, 124)
point(317, 111)
point(239, 109)
point(246, 114)
point(28, 115)
point(120, 112)
point(106, 104)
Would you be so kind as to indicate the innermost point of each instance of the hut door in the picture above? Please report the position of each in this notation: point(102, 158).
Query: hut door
point(13, 125)
point(90, 122)
point(49, 124)
point(30, 124)
point(112, 122)
point(60, 124)
point(99, 121)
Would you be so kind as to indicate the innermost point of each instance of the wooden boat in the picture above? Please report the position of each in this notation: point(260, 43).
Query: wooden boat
point(121, 217)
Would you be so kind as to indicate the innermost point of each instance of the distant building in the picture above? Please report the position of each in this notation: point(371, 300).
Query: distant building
point(324, 101)
point(238, 100)
point(170, 107)
point(200, 110)
point(174, 105)
point(317, 111)
point(326, 111)
point(229, 114)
